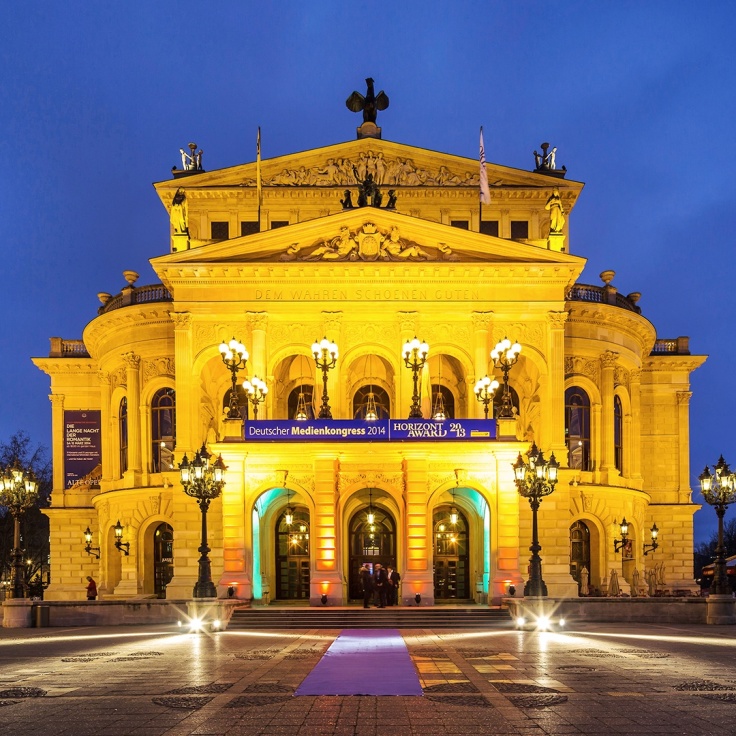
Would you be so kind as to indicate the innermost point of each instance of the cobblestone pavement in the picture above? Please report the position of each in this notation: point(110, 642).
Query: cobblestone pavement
point(146, 681)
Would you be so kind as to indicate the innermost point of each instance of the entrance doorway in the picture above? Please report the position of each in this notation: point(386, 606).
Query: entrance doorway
point(451, 574)
point(372, 533)
point(579, 551)
point(163, 558)
point(292, 556)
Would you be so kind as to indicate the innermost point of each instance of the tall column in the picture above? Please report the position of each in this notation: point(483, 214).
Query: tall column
point(326, 578)
point(555, 429)
point(258, 361)
point(481, 352)
point(187, 393)
point(107, 426)
point(57, 447)
point(683, 441)
point(635, 439)
point(418, 577)
point(407, 331)
point(608, 366)
point(132, 379)
point(237, 529)
point(129, 585)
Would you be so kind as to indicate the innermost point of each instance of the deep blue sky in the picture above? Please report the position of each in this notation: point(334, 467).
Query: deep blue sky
point(97, 98)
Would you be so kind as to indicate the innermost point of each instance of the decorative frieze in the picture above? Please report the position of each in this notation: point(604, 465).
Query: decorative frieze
point(369, 479)
point(158, 367)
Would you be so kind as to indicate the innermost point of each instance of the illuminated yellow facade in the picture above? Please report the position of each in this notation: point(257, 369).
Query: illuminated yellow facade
point(437, 266)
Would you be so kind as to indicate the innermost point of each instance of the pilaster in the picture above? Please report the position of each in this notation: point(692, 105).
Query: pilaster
point(107, 426)
point(418, 577)
point(481, 329)
point(635, 389)
point(407, 331)
point(57, 449)
point(556, 384)
point(186, 401)
point(683, 441)
point(608, 367)
point(326, 576)
point(132, 375)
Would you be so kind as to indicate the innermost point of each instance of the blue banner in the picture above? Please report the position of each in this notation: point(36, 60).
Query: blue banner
point(382, 430)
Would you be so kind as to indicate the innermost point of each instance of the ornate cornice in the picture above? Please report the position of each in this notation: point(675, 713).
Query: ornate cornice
point(606, 316)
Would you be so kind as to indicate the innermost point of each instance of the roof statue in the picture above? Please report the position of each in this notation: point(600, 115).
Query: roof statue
point(191, 163)
point(546, 163)
point(370, 105)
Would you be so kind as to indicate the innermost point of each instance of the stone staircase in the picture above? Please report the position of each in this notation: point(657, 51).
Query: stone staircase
point(429, 617)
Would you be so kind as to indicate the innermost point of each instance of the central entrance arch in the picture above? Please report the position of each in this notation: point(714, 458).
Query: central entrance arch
point(292, 556)
point(372, 540)
point(451, 569)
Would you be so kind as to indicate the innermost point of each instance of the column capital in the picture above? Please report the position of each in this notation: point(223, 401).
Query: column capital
point(481, 320)
point(608, 359)
point(556, 320)
point(257, 320)
point(132, 361)
point(407, 321)
point(181, 320)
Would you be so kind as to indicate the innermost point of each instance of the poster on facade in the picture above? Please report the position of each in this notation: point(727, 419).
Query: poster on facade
point(381, 430)
point(82, 448)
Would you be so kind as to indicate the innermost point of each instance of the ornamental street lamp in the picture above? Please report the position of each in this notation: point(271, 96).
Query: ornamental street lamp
point(234, 356)
point(535, 479)
point(18, 492)
point(484, 389)
point(255, 391)
point(415, 356)
point(504, 356)
point(719, 491)
point(653, 546)
point(325, 357)
point(619, 544)
point(203, 481)
point(88, 548)
point(121, 546)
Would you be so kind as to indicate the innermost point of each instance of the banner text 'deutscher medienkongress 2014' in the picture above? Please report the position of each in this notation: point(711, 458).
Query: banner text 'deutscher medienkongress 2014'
point(385, 430)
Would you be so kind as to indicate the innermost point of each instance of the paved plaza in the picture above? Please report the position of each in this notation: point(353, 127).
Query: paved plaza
point(146, 681)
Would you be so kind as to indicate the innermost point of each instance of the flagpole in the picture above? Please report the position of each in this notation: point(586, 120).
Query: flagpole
point(485, 192)
point(258, 175)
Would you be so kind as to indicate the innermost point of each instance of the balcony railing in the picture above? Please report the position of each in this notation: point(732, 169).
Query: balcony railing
point(677, 346)
point(601, 295)
point(136, 295)
point(61, 348)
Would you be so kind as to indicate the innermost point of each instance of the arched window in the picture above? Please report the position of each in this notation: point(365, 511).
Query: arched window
point(362, 403)
point(442, 401)
point(498, 396)
point(577, 428)
point(618, 434)
point(451, 578)
point(163, 429)
point(301, 402)
point(123, 429)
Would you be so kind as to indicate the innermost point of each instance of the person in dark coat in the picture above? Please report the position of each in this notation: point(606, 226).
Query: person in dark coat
point(393, 587)
point(380, 583)
point(366, 581)
point(91, 589)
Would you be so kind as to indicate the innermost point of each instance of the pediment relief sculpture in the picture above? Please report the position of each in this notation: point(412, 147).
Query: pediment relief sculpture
point(368, 243)
point(385, 171)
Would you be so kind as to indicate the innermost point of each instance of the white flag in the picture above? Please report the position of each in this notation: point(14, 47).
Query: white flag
point(485, 192)
point(258, 169)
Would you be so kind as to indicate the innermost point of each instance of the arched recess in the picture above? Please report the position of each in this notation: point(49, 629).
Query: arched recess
point(598, 558)
point(451, 554)
point(266, 511)
point(151, 545)
point(291, 372)
point(385, 501)
point(368, 365)
point(448, 372)
point(474, 506)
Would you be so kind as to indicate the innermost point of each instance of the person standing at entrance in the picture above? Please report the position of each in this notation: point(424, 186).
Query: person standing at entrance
point(91, 589)
point(380, 583)
point(393, 587)
point(366, 580)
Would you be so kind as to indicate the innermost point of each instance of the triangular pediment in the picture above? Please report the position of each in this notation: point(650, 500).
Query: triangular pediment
point(392, 165)
point(367, 235)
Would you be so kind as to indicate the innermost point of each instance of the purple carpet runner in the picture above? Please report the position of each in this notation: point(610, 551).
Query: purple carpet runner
point(364, 662)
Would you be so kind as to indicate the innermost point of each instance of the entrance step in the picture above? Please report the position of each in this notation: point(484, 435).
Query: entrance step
point(360, 618)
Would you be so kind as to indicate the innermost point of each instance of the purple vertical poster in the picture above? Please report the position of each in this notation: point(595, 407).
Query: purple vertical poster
point(82, 449)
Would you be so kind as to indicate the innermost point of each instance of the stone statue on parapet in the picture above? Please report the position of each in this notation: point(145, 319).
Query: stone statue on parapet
point(369, 104)
point(179, 213)
point(556, 212)
point(191, 161)
point(546, 162)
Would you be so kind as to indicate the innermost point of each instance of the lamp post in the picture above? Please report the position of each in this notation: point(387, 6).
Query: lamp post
point(18, 492)
point(484, 389)
point(121, 546)
point(653, 546)
point(504, 356)
point(256, 391)
point(203, 481)
point(88, 548)
point(535, 479)
point(619, 544)
point(234, 356)
point(415, 356)
point(719, 491)
point(325, 357)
